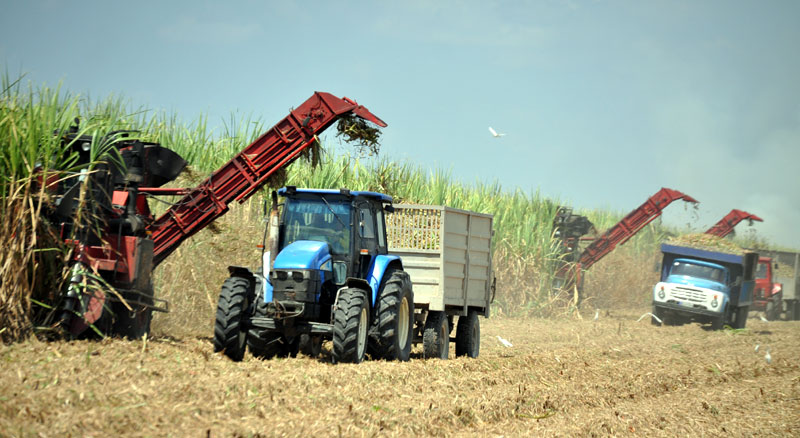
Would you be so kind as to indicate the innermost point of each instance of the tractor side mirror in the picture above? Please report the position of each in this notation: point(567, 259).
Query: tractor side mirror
point(388, 208)
point(776, 266)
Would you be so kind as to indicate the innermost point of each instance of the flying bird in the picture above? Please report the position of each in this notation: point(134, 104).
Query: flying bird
point(494, 133)
point(757, 347)
point(596, 314)
point(768, 357)
point(762, 318)
point(504, 342)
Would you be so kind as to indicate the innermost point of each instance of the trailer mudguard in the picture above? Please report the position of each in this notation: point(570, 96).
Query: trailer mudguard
point(376, 271)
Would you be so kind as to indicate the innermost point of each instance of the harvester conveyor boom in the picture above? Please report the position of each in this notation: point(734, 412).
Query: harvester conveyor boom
point(249, 170)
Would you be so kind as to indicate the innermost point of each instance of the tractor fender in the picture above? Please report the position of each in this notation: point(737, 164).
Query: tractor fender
point(377, 270)
point(244, 272)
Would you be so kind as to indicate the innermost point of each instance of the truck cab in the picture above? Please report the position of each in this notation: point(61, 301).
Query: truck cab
point(704, 286)
point(767, 297)
point(695, 284)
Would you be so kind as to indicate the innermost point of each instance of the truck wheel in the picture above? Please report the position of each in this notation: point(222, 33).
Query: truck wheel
point(773, 310)
point(392, 328)
point(229, 333)
point(350, 324)
point(468, 335)
point(658, 317)
point(436, 336)
point(740, 317)
point(718, 322)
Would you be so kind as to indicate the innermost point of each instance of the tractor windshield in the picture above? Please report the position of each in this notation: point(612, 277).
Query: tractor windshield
point(698, 271)
point(319, 219)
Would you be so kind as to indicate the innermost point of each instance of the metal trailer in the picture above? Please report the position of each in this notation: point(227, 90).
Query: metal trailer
point(790, 281)
point(447, 252)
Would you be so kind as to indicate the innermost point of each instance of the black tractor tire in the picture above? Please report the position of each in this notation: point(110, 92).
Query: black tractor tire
point(350, 326)
point(230, 335)
point(740, 317)
point(436, 336)
point(468, 335)
point(392, 326)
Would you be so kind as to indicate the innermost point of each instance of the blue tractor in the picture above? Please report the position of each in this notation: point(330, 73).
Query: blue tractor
point(326, 274)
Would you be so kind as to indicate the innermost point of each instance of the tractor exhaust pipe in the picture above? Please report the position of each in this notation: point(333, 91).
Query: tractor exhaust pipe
point(272, 239)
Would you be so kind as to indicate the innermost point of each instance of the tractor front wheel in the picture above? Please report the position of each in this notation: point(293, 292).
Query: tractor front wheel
point(350, 324)
point(229, 333)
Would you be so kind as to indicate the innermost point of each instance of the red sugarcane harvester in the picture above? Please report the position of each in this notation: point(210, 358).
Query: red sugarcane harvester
point(119, 242)
point(768, 295)
point(569, 229)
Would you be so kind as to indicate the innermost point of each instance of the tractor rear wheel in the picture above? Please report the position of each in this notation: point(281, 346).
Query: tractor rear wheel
point(230, 334)
point(392, 327)
point(468, 335)
point(436, 336)
point(350, 324)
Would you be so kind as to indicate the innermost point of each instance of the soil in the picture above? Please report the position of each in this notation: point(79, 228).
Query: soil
point(561, 377)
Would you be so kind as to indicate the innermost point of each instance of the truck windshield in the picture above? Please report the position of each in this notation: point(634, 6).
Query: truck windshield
point(698, 271)
point(318, 219)
point(761, 271)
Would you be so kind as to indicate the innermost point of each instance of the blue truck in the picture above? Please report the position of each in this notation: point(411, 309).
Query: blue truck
point(704, 285)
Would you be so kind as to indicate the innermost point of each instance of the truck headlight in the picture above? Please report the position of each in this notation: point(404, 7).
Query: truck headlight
point(661, 293)
point(714, 302)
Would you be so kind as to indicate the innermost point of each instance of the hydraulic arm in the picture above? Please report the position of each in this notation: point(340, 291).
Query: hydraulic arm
point(249, 170)
point(725, 225)
point(630, 225)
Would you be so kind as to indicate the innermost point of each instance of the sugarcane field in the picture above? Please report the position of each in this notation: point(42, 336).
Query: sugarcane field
point(198, 241)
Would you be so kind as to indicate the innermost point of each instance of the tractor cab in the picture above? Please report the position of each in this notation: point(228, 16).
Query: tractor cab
point(351, 223)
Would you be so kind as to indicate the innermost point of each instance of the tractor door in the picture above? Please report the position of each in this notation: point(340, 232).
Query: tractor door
point(367, 236)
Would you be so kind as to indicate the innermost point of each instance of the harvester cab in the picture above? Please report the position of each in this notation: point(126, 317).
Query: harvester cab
point(330, 277)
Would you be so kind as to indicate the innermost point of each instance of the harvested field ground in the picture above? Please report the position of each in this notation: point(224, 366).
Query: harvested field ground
point(562, 377)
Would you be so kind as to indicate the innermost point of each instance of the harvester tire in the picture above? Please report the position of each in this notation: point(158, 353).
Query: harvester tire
point(392, 327)
point(468, 335)
point(229, 334)
point(350, 325)
point(436, 336)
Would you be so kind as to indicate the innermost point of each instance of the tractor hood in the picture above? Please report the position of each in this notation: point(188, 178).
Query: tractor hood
point(303, 254)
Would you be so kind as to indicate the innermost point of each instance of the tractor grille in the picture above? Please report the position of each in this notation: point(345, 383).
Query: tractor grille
point(688, 294)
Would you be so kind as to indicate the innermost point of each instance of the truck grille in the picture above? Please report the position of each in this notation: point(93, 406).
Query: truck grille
point(687, 294)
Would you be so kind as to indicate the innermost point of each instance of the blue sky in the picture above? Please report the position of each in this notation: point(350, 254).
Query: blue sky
point(604, 102)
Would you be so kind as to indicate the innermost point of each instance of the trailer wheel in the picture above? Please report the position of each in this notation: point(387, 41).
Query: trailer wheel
point(229, 334)
point(468, 335)
point(740, 317)
point(392, 327)
point(436, 336)
point(350, 324)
